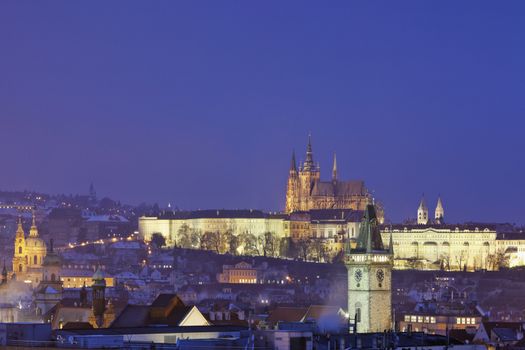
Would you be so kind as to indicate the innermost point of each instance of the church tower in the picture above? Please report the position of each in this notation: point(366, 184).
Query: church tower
point(99, 297)
point(422, 212)
point(334, 170)
point(292, 188)
point(20, 254)
point(308, 175)
point(440, 212)
point(369, 267)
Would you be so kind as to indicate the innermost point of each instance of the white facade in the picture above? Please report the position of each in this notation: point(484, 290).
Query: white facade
point(170, 228)
point(453, 248)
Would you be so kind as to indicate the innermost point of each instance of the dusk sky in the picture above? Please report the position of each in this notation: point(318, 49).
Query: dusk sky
point(201, 103)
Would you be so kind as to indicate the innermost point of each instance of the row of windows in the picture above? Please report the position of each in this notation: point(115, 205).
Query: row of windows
point(420, 319)
point(465, 320)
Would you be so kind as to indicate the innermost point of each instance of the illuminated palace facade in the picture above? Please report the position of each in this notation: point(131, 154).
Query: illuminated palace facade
point(306, 191)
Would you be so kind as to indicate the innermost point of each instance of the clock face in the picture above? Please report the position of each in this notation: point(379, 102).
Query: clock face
point(358, 275)
point(380, 274)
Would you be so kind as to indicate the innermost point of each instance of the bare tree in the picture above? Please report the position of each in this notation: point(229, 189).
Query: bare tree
point(184, 237)
point(269, 243)
point(249, 243)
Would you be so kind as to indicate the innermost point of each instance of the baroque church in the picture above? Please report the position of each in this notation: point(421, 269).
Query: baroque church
point(306, 191)
point(29, 254)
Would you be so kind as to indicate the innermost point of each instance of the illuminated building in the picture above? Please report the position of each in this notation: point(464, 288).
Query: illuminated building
point(238, 273)
point(306, 191)
point(29, 254)
point(369, 267)
point(434, 245)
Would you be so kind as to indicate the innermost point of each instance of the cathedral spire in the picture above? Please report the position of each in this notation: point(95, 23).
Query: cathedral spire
point(334, 169)
point(293, 164)
point(309, 163)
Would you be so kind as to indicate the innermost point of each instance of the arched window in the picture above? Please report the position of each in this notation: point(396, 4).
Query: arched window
point(20, 268)
point(27, 260)
point(35, 260)
point(20, 250)
point(358, 312)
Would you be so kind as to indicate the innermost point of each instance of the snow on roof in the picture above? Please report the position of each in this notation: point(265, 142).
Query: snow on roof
point(107, 218)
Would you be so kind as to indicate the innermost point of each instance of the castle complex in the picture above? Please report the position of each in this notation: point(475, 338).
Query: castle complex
point(306, 191)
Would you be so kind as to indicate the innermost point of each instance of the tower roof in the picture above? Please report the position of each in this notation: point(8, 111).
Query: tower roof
point(33, 232)
point(52, 258)
point(422, 203)
point(369, 238)
point(20, 230)
point(439, 205)
point(334, 169)
point(293, 166)
point(98, 278)
point(309, 162)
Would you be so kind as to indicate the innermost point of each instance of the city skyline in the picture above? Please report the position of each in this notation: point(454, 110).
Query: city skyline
point(202, 107)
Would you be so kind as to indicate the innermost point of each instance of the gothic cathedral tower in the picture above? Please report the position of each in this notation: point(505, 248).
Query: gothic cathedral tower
point(292, 188)
point(369, 267)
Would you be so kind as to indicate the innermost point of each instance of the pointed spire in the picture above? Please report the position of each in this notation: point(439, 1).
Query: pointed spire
point(440, 211)
point(33, 231)
point(369, 238)
point(422, 203)
point(422, 212)
point(293, 164)
point(334, 169)
point(309, 163)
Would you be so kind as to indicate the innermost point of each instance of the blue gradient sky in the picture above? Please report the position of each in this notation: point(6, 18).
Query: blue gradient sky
point(201, 103)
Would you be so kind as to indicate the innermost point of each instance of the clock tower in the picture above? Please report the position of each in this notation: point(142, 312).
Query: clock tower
point(369, 267)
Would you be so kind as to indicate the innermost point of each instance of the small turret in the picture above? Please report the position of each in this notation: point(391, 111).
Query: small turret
point(422, 212)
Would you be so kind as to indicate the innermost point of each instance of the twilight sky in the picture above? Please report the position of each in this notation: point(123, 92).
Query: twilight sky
point(201, 103)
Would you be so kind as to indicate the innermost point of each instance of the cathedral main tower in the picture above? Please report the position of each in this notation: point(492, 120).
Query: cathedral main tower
point(369, 267)
point(306, 191)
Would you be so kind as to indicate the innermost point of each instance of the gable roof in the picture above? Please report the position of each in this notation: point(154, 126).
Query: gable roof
point(286, 314)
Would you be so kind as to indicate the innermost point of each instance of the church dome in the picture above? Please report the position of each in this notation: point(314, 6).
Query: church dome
point(35, 242)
